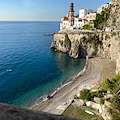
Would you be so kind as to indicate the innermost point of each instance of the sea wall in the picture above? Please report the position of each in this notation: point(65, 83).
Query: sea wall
point(80, 45)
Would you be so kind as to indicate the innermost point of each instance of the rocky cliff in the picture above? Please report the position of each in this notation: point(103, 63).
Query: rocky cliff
point(80, 45)
point(114, 19)
point(94, 44)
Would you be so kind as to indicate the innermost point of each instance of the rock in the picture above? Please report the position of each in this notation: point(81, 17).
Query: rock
point(105, 113)
point(97, 100)
point(109, 96)
point(81, 102)
point(93, 105)
point(10, 112)
point(107, 103)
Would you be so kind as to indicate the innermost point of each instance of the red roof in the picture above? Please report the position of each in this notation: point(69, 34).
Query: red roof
point(66, 20)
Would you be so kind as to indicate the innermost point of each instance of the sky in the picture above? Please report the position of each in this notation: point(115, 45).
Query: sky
point(43, 10)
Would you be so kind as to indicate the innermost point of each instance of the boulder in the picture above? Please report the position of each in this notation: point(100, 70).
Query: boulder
point(93, 105)
point(97, 100)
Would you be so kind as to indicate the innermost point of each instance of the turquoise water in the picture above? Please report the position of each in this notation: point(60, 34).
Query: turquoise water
point(36, 69)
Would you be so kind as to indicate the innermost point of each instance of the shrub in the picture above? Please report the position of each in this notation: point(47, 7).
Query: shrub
point(108, 84)
point(101, 101)
point(87, 27)
point(113, 34)
point(102, 18)
point(117, 77)
point(96, 94)
point(93, 40)
point(85, 94)
point(67, 41)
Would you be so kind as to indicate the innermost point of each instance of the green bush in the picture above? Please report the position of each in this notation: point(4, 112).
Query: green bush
point(87, 27)
point(113, 34)
point(102, 18)
point(117, 77)
point(85, 95)
point(96, 94)
point(101, 101)
point(67, 41)
point(93, 40)
point(108, 85)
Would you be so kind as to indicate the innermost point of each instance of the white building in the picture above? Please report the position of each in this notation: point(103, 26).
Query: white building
point(78, 23)
point(103, 7)
point(90, 17)
point(84, 12)
point(64, 23)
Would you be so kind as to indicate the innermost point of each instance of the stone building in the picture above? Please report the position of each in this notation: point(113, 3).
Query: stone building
point(71, 15)
point(67, 22)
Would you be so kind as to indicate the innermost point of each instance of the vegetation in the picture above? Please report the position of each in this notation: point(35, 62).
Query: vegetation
point(102, 18)
point(85, 94)
point(113, 34)
point(87, 27)
point(75, 112)
point(67, 41)
point(93, 40)
point(107, 37)
point(113, 86)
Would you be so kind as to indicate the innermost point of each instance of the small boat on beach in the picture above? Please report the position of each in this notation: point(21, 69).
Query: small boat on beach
point(10, 70)
point(89, 112)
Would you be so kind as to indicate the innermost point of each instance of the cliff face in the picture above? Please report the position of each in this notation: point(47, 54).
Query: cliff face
point(114, 19)
point(104, 45)
point(76, 46)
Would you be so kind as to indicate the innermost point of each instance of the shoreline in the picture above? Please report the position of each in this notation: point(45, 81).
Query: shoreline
point(88, 79)
point(57, 90)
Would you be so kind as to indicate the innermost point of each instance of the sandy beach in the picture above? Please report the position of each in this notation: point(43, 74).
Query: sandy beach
point(96, 71)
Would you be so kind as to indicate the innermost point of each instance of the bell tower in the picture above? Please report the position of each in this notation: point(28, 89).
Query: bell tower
point(71, 14)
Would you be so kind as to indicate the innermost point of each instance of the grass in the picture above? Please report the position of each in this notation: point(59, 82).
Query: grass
point(75, 112)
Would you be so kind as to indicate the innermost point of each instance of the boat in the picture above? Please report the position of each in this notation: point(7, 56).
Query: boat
point(89, 112)
point(10, 70)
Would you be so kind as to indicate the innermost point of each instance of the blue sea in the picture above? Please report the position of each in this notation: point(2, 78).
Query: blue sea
point(36, 69)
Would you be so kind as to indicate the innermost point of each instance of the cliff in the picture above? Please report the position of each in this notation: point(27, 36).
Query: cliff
point(80, 45)
point(114, 19)
point(93, 44)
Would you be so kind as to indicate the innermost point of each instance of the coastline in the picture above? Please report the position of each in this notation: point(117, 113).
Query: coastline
point(57, 90)
point(91, 76)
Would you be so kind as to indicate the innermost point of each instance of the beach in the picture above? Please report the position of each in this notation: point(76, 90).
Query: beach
point(96, 71)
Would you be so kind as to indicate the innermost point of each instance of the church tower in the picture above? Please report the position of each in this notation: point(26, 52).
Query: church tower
point(71, 15)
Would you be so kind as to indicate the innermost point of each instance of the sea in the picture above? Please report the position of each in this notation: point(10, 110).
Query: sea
point(29, 68)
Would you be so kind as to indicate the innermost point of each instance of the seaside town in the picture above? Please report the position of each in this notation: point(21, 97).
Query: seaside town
point(91, 38)
point(85, 17)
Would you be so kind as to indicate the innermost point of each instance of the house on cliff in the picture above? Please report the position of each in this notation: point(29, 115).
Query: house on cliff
point(70, 21)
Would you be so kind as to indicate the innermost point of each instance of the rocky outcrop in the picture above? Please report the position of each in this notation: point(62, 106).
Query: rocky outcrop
point(9, 112)
point(114, 19)
point(77, 48)
point(104, 45)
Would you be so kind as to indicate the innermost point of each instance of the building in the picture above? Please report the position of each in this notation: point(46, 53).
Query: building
point(64, 23)
point(78, 23)
point(68, 21)
point(103, 7)
point(90, 17)
point(71, 15)
point(84, 12)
